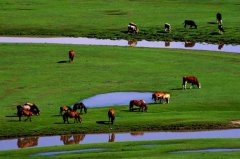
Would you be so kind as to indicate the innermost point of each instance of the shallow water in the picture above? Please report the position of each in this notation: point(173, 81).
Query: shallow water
point(65, 152)
point(113, 137)
point(210, 150)
point(116, 99)
point(143, 43)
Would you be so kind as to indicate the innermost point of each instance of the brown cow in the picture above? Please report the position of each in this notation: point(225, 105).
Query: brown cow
point(190, 79)
point(71, 55)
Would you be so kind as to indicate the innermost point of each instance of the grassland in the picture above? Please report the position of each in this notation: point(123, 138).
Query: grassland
point(32, 73)
point(143, 149)
point(109, 19)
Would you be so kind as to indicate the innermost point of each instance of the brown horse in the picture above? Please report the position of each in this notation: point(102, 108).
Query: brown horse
point(23, 112)
point(72, 114)
point(71, 55)
point(139, 103)
point(64, 109)
point(190, 79)
point(157, 95)
point(80, 106)
point(111, 115)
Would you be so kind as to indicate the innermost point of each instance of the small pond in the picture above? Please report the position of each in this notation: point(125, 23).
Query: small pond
point(41, 141)
point(117, 99)
point(133, 43)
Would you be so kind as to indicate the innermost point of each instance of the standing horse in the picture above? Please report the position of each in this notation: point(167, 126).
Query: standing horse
point(80, 106)
point(24, 112)
point(157, 95)
point(72, 114)
point(64, 109)
point(71, 55)
point(190, 79)
point(32, 107)
point(139, 103)
point(111, 115)
point(165, 98)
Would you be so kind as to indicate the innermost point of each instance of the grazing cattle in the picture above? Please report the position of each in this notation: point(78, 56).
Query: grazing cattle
point(191, 23)
point(71, 55)
point(65, 109)
point(167, 27)
point(190, 79)
point(220, 29)
point(219, 18)
point(72, 114)
point(132, 28)
point(165, 98)
point(80, 106)
point(189, 44)
point(27, 142)
point(111, 115)
point(24, 112)
point(139, 103)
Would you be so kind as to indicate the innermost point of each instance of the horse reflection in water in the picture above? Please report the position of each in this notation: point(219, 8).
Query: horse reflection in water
point(167, 43)
point(111, 137)
point(132, 42)
point(189, 44)
point(137, 133)
point(27, 142)
point(220, 46)
point(72, 139)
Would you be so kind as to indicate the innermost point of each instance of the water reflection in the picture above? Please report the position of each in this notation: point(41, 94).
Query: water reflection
point(220, 46)
point(189, 44)
point(132, 42)
point(137, 133)
point(111, 137)
point(27, 142)
point(108, 42)
point(72, 139)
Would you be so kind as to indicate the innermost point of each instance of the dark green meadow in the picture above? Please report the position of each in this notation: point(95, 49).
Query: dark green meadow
point(37, 73)
point(140, 149)
point(109, 19)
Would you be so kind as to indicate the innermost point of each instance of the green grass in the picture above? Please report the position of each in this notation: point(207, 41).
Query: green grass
point(31, 73)
point(109, 19)
point(140, 149)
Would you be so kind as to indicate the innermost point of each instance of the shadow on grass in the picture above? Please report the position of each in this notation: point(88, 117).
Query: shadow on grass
point(64, 61)
point(214, 33)
point(176, 89)
point(212, 22)
point(103, 122)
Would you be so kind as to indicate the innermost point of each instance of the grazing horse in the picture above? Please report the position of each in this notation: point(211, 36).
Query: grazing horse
point(72, 114)
point(80, 106)
point(139, 103)
point(111, 115)
point(191, 23)
point(64, 109)
point(157, 95)
point(165, 98)
point(71, 55)
point(32, 107)
point(190, 79)
point(132, 28)
point(24, 112)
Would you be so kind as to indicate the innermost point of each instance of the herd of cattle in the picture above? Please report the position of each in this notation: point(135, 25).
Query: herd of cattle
point(132, 27)
point(29, 109)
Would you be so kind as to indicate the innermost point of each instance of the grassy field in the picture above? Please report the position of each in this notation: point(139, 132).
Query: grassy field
point(143, 149)
point(109, 19)
point(32, 73)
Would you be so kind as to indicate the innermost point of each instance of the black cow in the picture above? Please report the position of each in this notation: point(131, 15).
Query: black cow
point(220, 28)
point(191, 23)
point(167, 27)
point(219, 18)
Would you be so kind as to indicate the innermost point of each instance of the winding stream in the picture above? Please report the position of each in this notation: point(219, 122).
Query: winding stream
point(143, 43)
